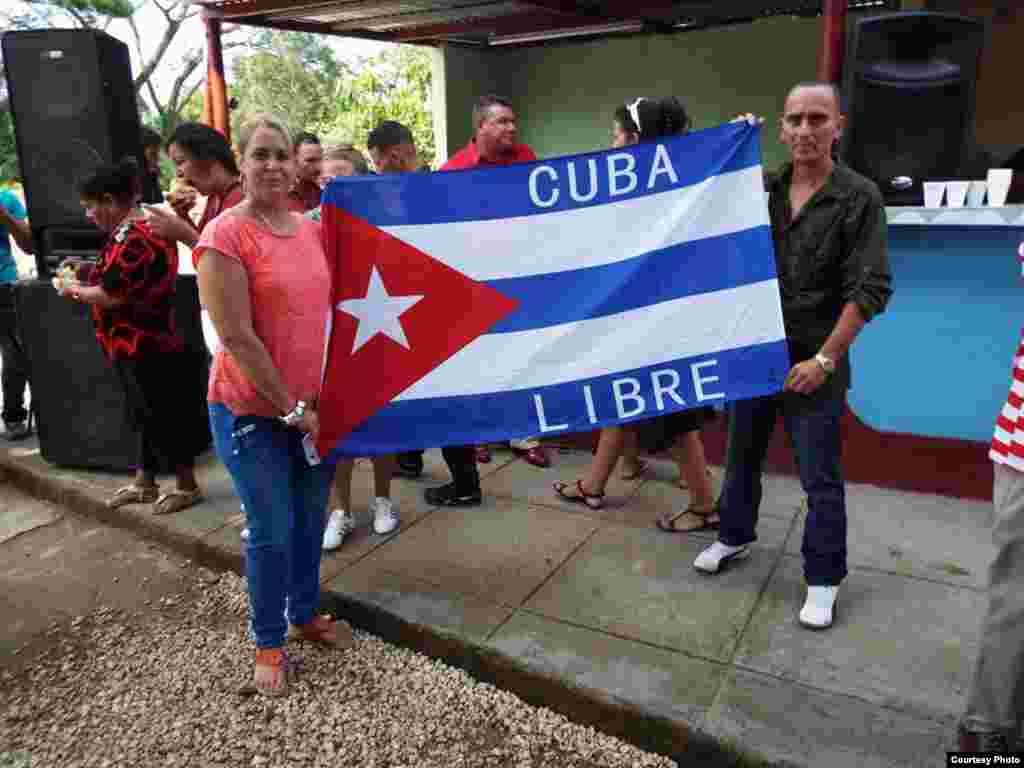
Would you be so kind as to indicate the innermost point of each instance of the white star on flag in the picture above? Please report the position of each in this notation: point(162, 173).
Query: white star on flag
point(378, 312)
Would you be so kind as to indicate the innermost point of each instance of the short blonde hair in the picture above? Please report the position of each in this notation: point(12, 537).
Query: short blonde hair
point(261, 120)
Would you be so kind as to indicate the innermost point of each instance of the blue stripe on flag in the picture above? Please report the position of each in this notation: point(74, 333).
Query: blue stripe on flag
point(505, 192)
point(428, 423)
point(687, 269)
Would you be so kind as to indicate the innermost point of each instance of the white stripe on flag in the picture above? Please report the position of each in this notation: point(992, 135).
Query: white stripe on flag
point(589, 237)
point(672, 330)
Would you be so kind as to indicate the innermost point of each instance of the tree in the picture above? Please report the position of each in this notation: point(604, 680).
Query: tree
point(298, 77)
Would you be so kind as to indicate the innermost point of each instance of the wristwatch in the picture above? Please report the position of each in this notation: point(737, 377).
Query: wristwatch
point(294, 416)
point(828, 365)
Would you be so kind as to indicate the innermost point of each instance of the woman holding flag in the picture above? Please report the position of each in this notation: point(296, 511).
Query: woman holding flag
point(678, 433)
point(264, 279)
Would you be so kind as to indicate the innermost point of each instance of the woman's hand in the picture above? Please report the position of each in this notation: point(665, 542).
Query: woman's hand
point(170, 226)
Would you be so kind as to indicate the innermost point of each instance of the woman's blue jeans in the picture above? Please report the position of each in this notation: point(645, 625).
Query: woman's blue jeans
point(284, 500)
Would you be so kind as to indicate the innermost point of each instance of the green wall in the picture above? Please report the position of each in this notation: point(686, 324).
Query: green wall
point(566, 94)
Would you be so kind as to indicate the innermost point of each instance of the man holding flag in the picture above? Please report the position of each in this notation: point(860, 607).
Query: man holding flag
point(830, 234)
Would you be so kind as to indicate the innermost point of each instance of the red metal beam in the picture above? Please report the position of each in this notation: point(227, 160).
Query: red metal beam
point(832, 49)
point(217, 88)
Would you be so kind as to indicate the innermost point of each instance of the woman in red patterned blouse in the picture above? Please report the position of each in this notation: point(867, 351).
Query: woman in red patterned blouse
point(131, 291)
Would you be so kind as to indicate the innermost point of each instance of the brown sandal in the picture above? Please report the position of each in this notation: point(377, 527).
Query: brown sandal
point(286, 671)
point(590, 500)
point(324, 630)
point(689, 520)
point(133, 494)
point(175, 501)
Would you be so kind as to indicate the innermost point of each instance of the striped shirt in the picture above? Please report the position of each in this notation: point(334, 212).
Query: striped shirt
point(1008, 440)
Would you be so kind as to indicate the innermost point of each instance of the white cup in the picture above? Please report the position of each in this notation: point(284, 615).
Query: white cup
point(999, 185)
point(976, 194)
point(933, 192)
point(956, 193)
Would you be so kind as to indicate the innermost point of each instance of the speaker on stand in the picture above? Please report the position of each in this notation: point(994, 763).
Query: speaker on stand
point(909, 91)
point(73, 103)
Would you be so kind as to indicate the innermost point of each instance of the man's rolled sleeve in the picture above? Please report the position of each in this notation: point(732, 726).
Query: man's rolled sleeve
point(867, 277)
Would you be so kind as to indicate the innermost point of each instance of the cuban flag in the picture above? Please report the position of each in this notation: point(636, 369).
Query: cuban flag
point(550, 297)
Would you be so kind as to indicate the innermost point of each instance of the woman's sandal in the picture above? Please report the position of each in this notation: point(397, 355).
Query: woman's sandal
point(175, 501)
point(688, 520)
point(324, 630)
point(285, 668)
point(133, 494)
point(641, 470)
point(590, 500)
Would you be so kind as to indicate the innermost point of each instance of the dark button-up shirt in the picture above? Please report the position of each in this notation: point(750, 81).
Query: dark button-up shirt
point(834, 252)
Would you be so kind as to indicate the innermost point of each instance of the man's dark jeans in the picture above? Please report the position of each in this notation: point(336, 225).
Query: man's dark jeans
point(813, 427)
point(15, 363)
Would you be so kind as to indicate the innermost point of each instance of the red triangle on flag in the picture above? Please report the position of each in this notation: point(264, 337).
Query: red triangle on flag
point(454, 310)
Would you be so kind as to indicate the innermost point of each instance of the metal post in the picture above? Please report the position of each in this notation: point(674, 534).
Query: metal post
point(832, 49)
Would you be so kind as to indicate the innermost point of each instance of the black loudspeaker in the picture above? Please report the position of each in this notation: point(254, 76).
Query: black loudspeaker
point(73, 105)
point(909, 92)
point(76, 394)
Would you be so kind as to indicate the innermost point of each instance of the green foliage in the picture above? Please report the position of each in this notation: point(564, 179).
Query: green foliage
point(8, 150)
point(298, 77)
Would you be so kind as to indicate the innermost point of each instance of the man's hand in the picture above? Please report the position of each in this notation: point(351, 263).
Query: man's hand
point(170, 226)
point(805, 377)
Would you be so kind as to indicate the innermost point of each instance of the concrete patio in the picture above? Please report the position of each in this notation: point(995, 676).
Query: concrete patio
point(602, 616)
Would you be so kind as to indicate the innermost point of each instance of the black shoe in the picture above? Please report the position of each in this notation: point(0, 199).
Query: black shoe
point(981, 741)
point(450, 496)
point(409, 464)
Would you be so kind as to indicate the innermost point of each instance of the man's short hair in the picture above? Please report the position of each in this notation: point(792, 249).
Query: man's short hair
point(305, 137)
point(149, 137)
point(483, 106)
point(819, 84)
point(389, 134)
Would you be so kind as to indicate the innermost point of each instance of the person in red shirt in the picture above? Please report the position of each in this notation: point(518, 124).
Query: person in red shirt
point(495, 142)
point(309, 159)
point(204, 160)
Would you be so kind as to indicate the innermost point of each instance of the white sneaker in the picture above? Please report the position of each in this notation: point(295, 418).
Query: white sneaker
point(718, 555)
point(385, 516)
point(819, 608)
point(338, 527)
point(245, 534)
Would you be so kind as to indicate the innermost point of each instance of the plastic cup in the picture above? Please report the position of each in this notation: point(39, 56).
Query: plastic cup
point(976, 193)
point(956, 193)
point(933, 192)
point(999, 185)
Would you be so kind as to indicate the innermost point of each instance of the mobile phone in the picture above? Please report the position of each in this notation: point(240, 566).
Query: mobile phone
point(309, 446)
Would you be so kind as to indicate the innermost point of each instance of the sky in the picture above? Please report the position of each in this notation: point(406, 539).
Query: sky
point(192, 34)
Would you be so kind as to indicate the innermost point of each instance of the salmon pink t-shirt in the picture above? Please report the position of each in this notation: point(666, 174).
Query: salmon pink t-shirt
point(289, 291)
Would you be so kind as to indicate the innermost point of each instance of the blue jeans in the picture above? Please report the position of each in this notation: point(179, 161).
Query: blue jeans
point(284, 501)
point(813, 427)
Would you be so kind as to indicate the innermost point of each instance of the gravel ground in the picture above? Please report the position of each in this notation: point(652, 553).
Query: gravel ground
point(160, 688)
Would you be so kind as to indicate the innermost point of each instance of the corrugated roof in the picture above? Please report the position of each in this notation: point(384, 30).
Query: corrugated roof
point(486, 23)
